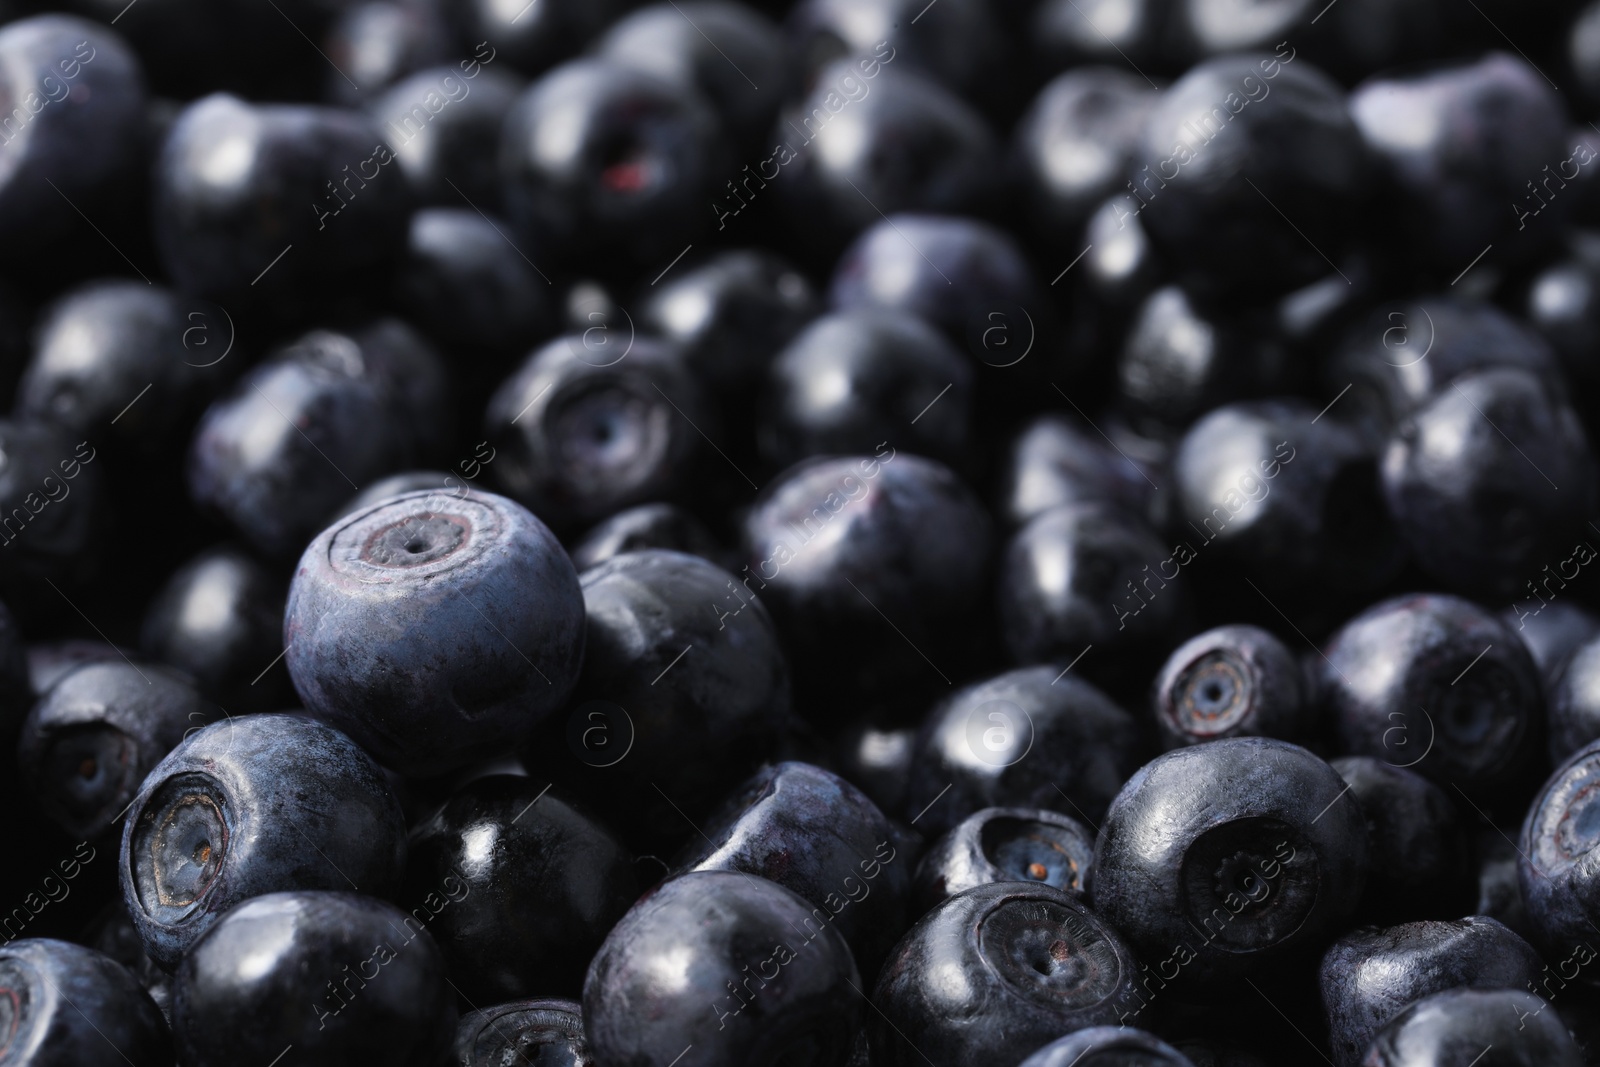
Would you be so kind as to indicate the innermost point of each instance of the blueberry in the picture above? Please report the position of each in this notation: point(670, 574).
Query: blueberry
point(74, 131)
point(517, 885)
point(683, 694)
point(435, 628)
point(67, 1004)
point(812, 832)
point(337, 977)
point(729, 316)
point(1232, 681)
point(1370, 975)
point(443, 125)
point(876, 139)
point(1255, 863)
point(1108, 1046)
point(1355, 39)
point(961, 47)
point(715, 968)
point(644, 526)
point(1034, 963)
point(876, 757)
point(1077, 141)
point(89, 742)
point(1472, 479)
point(1005, 845)
point(709, 45)
point(1404, 353)
point(49, 662)
point(1563, 304)
point(962, 275)
point(1120, 264)
point(1452, 1028)
point(1032, 737)
point(1419, 846)
point(374, 44)
point(304, 429)
point(535, 1032)
point(533, 39)
point(582, 432)
point(253, 805)
point(868, 564)
point(1054, 460)
point(1458, 146)
point(1557, 870)
point(1070, 33)
point(276, 204)
point(1182, 358)
point(851, 379)
point(1289, 499)
point(1235, 147)
point(610, 166)
point(1397, 684)
point(1552, 631)
point(108, 343)
point(220, 619)
point(1575, 699)
point(53, 525)
point(1082, 575)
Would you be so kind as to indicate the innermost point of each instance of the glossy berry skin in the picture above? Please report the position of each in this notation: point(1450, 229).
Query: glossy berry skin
point(812, 832)
point(1108, 1046)
point(1075, 144)
point(1393, 679)
point(962, 275)
point(707, 45)
point(729, 316)
point(1005, 845)
point(1448, 1029)
point(1055, 460)
point(338, 976)
point(909, 537)
point(1420, 852)
point(1240, 121)
point(100, 346)
point(377, 43)
point(1458, 146)
point(1232, 681)
point(1575, 700)
point(49, 662)
point(237, 182)
point(876, 756)
point(301, 431)
point(228, 815)
point(644, 526)
point(77, 105)
point(1462, 478)
point(535, 1031)
point(1183, 357)
point(1068, 33)
point(1229, 842)
point(466, 287)
point(532, 40)
point(655, 734)
point(448, 155)
point(626, 180)
point(1559, 863)
point(740, 968)
point(53, 521)
point(220, 619)
point(904, 142)
point(89, 742)
point(1021, 739)
point(583, 432)
point(72, 1005)
point(1405, 353)
point(518, 886)
point(1291, 503)
point(852, 379)
point(1085, 574)
point(434, 628)
point(1370, 975)
point(1035, 963)
point(1552, 632)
